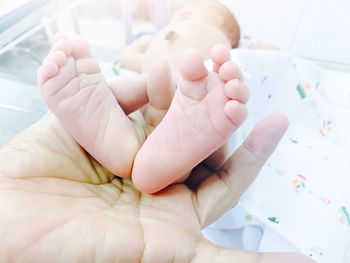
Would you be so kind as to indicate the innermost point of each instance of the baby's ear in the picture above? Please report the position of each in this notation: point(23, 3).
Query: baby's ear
point(234, 36)
point(233, 42)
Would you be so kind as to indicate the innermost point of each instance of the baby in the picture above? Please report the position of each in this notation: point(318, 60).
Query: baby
point(206, 109)
point(200, 25)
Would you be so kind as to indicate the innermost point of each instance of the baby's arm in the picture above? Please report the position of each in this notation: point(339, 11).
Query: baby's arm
point(133, 56)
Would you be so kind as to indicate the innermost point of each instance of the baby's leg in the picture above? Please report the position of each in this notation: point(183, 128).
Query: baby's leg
point(206, 109)
point(75, 90)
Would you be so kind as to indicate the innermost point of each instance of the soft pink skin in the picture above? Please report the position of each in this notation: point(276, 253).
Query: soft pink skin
point(207, 108)
point(205, 111)
point(77, 93)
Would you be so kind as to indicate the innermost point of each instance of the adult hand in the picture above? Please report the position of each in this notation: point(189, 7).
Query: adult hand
point(57, 204)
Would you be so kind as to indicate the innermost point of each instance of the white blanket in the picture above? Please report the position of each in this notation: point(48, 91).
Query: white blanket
point(303, 192)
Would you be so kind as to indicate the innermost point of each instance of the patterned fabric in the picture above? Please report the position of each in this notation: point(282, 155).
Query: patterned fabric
point(303, 191)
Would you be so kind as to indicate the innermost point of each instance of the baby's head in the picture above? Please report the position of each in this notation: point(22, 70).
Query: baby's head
point(213, 13)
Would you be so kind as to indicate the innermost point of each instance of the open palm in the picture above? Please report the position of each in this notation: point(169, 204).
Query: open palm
point(57, 204)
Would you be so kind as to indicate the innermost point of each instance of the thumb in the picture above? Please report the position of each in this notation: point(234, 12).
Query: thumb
point(209, 252)
point(220, 192)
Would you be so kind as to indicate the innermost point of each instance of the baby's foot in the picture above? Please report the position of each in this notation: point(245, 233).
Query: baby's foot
point(75, 90)
point(205, 111)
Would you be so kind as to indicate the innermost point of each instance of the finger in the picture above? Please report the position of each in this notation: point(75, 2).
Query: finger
point(136, 91)
point(130, 92)
point(215, 161)
point(220, 192)
point(160, 85)
point(212, 253)
point(160, 92)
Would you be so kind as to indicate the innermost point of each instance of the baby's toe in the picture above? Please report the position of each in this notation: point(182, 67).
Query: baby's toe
point(229, 71)
point(193, 81)
point(80, 47)
point(46, 71)
point(219, 55)
point(235, 89)
point(191, 66)
point(51, 64)
point(236, 112)
point(57, 57)
point(62, 45)
point(71, 45)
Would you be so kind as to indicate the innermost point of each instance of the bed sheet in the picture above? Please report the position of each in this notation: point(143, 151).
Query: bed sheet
point(302, 192)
